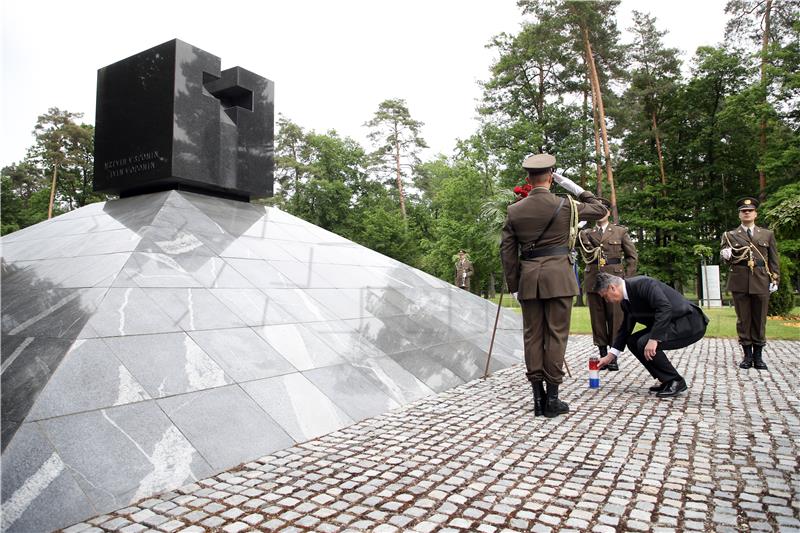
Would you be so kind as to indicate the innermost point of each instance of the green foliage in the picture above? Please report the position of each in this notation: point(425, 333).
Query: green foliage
point(782, 301)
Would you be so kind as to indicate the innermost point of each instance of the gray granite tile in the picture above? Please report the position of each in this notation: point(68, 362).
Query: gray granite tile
point(89, 377)
point(27, 365)
point(260, 273)
point(299, 345)
point(194, 309)
point(57, 313)
point(431, 372)
point(242, 354)
point(254, 307)
point(149, 269)
point(350, 390)
point(39, 491)
point(122, 454)
point(225, 425)
point(346, 340)
point(128, 311)
point(300, 305)
point(300, 408)
point(167, 364)
point(399, 384)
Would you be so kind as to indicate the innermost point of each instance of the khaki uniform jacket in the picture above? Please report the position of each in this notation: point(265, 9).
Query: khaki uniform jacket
point(463, 268)
point(740, 278)
point(542, 277)
point(615, 244)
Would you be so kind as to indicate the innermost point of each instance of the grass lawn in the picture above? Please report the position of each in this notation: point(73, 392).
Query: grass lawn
point(723, 322)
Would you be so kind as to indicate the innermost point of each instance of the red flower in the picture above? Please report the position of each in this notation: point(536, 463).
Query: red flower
point(522, 191)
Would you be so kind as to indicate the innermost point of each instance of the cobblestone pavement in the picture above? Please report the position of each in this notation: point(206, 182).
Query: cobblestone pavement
point(723, 457)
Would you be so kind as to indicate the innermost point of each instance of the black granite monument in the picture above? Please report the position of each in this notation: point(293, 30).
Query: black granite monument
point(168, 118)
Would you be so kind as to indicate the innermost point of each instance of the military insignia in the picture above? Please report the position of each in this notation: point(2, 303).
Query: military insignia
point(748, 202)
point(601, 261)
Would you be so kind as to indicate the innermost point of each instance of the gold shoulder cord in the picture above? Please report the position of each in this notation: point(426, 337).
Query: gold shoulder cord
point(589, 254)
point(738, 253)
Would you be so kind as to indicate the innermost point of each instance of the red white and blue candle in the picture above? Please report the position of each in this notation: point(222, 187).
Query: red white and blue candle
point(594, 372)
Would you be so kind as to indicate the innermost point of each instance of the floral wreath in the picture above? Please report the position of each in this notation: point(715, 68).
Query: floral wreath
point(521, 191)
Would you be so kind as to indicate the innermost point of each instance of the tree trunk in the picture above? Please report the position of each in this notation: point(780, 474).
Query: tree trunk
point(492, 289)
point(597, 151)
point(660, 156)
point(762, 178)
point(595, 127)
point(602, 112)
point(52, 193)
point(399, 175)
point(584, 135)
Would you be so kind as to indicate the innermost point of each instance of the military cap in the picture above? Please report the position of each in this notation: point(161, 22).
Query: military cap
point(748, 202)
point(606, 202)
point(539, 162)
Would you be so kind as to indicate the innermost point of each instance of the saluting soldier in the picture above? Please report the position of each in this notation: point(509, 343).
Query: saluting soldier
point(603, 248)
point(464, 270)
point(537, 238)
point(755, 271)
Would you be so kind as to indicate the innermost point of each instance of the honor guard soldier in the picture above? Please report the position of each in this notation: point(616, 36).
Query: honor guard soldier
point(605, 248)
point(464, 270)
point(755, 270)
point(537, 239)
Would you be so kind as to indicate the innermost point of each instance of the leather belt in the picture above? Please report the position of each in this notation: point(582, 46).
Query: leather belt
point(613, 261)
point(528, 255)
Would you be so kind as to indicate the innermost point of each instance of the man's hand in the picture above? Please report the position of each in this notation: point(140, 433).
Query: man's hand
point(650, 349)
point(773, 286)
point(568, 184)
point(726, 254)
point(605, 360)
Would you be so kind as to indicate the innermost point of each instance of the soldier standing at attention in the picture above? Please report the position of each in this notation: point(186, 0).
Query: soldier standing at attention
point(537, 238)
point(602, 248)
point(464, 270)
point(755, 271)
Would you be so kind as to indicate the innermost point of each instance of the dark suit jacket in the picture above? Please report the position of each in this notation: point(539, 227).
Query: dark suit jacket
point(658, 306)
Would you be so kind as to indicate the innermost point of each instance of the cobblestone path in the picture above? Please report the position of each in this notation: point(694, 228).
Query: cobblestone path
point(723, 457)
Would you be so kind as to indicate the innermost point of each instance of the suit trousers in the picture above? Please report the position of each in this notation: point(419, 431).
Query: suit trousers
point(545, 324)
point(606, 318)
point(751, 318)
point(683, 332)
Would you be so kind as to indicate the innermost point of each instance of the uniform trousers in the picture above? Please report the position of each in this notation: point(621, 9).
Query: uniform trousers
point(606, 318)
point(751, 318)
point(545, 323)
point(682, 332)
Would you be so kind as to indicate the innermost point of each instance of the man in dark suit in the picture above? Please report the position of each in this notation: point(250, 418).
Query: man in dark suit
point(535, 252)
point(671, 322)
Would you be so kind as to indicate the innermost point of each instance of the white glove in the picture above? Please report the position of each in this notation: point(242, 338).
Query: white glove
point(514, 294)
point(773, 286)
point(726, 254)
point(568, 184)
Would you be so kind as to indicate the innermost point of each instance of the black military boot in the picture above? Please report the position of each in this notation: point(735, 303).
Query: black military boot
point(552, 405)
point(758, 362)
point(538, 398)
point(747, 362)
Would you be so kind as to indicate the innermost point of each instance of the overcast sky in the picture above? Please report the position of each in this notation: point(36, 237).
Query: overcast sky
point(332, 62)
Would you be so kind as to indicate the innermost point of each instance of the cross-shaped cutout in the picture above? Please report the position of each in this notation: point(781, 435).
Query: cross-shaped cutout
point(229, 92)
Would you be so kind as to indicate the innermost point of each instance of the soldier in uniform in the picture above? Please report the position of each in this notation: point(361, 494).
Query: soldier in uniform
point(535, 250)
point(602, 248)
point(464, 270)
point(755, 271)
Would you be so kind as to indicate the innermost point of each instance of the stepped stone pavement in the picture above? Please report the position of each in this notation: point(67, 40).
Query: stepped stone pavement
point(723, 457)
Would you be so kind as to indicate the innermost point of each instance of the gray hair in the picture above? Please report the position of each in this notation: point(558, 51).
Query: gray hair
point(605, 280)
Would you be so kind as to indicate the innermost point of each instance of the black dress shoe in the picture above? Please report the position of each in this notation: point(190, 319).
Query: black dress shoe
point(659, 387)
point(612, 366)
point(673, 388)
